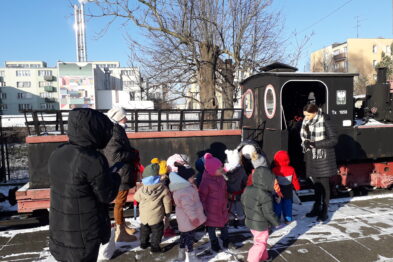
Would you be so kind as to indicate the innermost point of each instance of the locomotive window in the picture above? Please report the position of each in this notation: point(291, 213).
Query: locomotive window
point(270, 101)
point(341, 97)
point(248, 103)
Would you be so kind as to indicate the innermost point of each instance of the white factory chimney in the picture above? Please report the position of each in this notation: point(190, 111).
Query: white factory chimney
point(80, 36)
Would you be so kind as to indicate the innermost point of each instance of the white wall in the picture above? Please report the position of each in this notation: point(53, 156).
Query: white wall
point(106, 99)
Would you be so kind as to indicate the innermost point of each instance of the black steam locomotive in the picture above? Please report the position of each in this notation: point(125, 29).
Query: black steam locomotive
point(273, 102)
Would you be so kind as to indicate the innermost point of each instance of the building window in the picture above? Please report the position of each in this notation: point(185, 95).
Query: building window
point(22, 72)
point(3, 95)
point(387, 50)
point(345, 50)
point(23, 84)
point(127, 72)
point(24, 95)
point(374, 63)
point(375, 49)
point(2, 73)
point(132, 96)
point(44, 83)
point(129, 83)
point(24, 107)
point(47, 106)
point(46, 95)
point(3, 107)
point(44, 72)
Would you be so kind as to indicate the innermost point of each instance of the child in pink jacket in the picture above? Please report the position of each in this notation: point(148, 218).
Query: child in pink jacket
point(214, 198)
point(189, 209)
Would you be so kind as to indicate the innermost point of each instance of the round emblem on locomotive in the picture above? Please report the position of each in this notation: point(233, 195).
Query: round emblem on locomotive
point(248, 103)
point(270, 101)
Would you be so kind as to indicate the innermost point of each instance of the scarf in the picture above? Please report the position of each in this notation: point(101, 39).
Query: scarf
point(314, 130)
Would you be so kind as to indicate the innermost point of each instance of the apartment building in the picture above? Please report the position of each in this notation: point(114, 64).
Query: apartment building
point(100, 85)
point(27, 85)
point(356, 55)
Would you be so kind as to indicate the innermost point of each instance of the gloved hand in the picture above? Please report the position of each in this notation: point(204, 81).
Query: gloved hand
point(166, 220)
point(308, 144)
point(195, 222)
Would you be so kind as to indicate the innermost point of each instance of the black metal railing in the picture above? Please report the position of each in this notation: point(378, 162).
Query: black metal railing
point(4, 161)
point(52, 122)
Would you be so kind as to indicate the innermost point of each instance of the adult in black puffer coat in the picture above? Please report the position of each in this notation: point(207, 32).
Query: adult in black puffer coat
point(120, 150)
point(82, 186)
point(318, 141)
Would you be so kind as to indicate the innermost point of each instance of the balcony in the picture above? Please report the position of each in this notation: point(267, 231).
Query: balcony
point(340, 57)
point(50, 100)
point(50, 89)
point(49, 78)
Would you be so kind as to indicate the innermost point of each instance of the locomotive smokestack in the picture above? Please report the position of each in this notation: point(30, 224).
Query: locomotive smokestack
point(382, 75)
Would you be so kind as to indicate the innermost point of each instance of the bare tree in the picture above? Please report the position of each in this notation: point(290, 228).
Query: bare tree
point(324, 62)
point(201, 42)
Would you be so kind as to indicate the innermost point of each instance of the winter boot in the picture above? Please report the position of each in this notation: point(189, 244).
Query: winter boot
point(225, 244)
point(122, 236)
point(323, 215)
point(215, 246)
point(315, 210)
point(192, 257)
point(181, 256)
point(156, 249)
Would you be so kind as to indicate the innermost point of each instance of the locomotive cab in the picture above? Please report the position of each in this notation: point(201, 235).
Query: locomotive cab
point(273, 104)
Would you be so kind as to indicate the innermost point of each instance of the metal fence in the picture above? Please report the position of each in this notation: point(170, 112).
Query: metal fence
point(53, 122)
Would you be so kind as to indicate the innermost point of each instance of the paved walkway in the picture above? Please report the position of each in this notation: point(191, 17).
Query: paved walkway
point(360, 229)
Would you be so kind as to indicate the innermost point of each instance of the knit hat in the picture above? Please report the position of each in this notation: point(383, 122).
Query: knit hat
point(117, 113)
point(155, 161)
point(151, 170)
point(211, 163)
point(176, 158)
point(185, 172)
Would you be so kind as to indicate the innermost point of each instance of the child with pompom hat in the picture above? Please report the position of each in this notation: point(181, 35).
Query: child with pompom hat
point(189, 209)
point(155, 204)
point(213, 195)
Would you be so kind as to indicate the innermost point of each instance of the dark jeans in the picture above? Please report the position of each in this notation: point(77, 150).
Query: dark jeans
point(212, 233)
point(156, 232)
point(187, 240)
point(322, 190)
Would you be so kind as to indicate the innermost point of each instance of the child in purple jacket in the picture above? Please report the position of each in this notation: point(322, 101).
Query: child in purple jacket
point(213, 195)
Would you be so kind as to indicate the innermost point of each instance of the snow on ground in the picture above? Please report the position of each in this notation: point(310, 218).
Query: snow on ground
point(350, 219)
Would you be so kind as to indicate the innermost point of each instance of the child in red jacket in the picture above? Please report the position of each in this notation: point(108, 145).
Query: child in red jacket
point(288, 182)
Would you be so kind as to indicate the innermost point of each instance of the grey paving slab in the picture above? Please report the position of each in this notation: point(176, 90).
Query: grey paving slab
point(20, 257)
point(3, 241)
point(304, 253)
point(349, 250)
point(381, 245)
point(25, 243)
point(361, 230)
